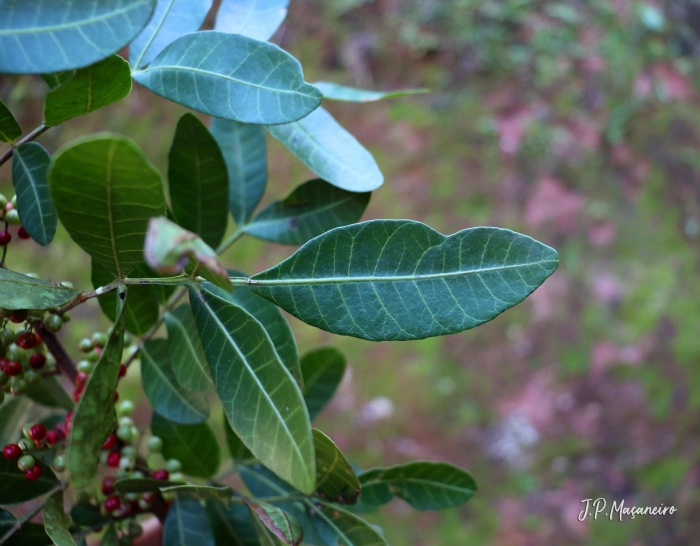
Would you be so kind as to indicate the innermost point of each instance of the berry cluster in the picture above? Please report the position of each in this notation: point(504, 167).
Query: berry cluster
point(9, 212)
point(39, 443)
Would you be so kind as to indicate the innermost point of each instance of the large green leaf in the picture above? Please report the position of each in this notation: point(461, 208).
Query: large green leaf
point(187, 524)
point(9, 128)
point(232, 525)
point(30, 534)
point(309, 211)
point(245, 153)
point(105, 191)
point(95, 417)
point(339, 527)
point(335, 479)
point(424, 485)
point(57, 79)
point(56, 521)
point(49, 392)
point(399, 279)
point(187, 358)
point(193, 445)
point(18, 291)
point(252, 18)
point(282, 524)
point(330, 151)
point(166, 395)
point(221, 494)
point(262, 401)
point(245, 80)
point(30, 168)
point(323, 370)
point(198, 181)
point(171, 19)
point(236, 447)
point(14, 486)
point(334, 91)
point(43, 36)
point(12, 418)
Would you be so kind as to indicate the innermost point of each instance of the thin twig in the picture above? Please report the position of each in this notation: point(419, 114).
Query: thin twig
point(228, 242)
point(64, 363)
point(29, 515)
point(31, 136)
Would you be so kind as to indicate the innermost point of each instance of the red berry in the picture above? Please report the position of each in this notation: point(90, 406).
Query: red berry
point(26, 340)
point(108, 485)
point(37, 432)
point(122, 370)
point(69, 417)
point(77, 393)
point(113, 459)
point(161, 474)
point(33, 473)
point(12, 451)
point(61, 430)
point(110, 442)
point(12, 367)
point(37, 361)
point(112, 504)
point(19, 315)
point(52, 437)
point(116, 397)
point(22, 233)
point(5, 238)
point(80, 380)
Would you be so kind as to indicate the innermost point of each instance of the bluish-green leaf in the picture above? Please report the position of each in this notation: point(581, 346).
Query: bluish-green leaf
point(232, 526)
point(245, 153)
point(309, 211)
point(335, 479)
point(330, 151)
point(30, 168)
point(323, 370)
point(187, 524)
point(165, 394)
point(9, 128)
point(187, 356)
point(232, 77)
point(57, 79)
point(399, 279)
point(253, 18)
point(334, 91)
point(43, 36)
point(338, 526)
point(198, 181)
point(14, 486)
point(18, 291)
point(171, 19)
point(262, 401)
point(56, 521)
point(280, 523)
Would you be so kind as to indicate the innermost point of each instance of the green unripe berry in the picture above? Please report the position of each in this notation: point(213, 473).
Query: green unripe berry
point(125, 421)
point(103, 457)
point(59, 464)
point(144, 505)
point(32, 377)
point(99, 339)
point(12, 217)
point(128, 451)
point(173, 465)
point(8, 336)
point(85, 366)
point(18, 385)
point(85, 345)
point(127, 339)
point(155, 444)
point(25, 462)
point(14, 201)
point(134, 529)
point(168, 495)
point(66, 316)
point(3, 201)
point(122, 474)
point(137, 475)
point(53, 323)
point(125, 408)
point(177, 477)
point(16, 353)
point(127, 463)
point(26, 444)
point(133, 434)
point(92, 356)
point(124, 433)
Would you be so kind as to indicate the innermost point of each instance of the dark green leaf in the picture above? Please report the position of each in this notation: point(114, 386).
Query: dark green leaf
point(330, 151)
point(246, 80)
point(11, 418)
point(262, 401)
point(282, 524)
point(42, 36)
point(56, 521)
point(335, 480)
point(140, 485)
point(14, 486)
point(310, 210)
point(110, 537)
point(187, 524)
point(338, 526)
point(9, 128)
point(193, 445)
point(164, 392)
point(105, 191)
point(18, 291)
point(30, 534)
point(334, 91)
point(49, 392)
point(221, 494)
point(245, 153)
point(232, 525)
point(91, 88)
point(323, 370)
point(30, 168)
point(252, 18)
point(95, 417)
point(399, 279)
point(198, 181)
point(376, 493)
point(238, 450)
point(187, 356)
point(87, 515)
point(171, 19)
point(57, 79)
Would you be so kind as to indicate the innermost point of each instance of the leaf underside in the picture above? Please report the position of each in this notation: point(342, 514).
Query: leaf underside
point(18, 291)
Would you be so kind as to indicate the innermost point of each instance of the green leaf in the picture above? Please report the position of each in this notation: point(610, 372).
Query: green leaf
point(282, 524)
point(232, 525)
point(171, 19)
point(338, 526)
point(252, 18)
point(49, 392)
point(424, 485)
point(187, 524)
point(30, 534)
point(265, 536)
point(18, 291)
point(105, 191)
point(330, 151)
point(166, 395)
point(56, 521)
point(110, 537)
point(9, 128)
point(12, 418)
point(399, 279)
point(193, 445)
point(238, 450)
point(87, 515)
point(140, 485)
point(245, 153)
point(246, 80)
point(42, 36)
point(14, 486)
point(221, 494)
point(189, 363)
point(57, 79)
point(334, 91)
point(262, 401)
point(95, 417)
point(30, 168)
point(90, 89)
point(310, 210)
point(335, 479)
point(323, 370)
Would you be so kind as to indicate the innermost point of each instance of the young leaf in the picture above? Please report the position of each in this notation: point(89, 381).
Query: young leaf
point(330, 151)
point(105, 190)
point(334, 91)
point(198, 181)
point(232, 525)
point(18, 291)
point(166, 395)
point(187, 356)
point(30, 534)
point(171, 19)
point(280, 523)
point(187, 524)
point(140, 485)
point(43, 36)
point(14, 486)
point(56, 521)
point(193, 445)
point(57, 79)
point(238, 450)
point(95, 417)
point(30, 168)
point(262, 402)
point(335, 479)
point(90, 89)
point(252, 18)
point(9, 128)
point(310, 210)
point(49, 392)
point(398, 279)
point(221, 494)
point(245, 80)
point(323, 370)
point(245, 153)
point(338, 526)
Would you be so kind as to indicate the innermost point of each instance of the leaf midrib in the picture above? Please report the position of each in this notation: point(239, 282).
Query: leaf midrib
point(32, 184)
point(433, 485)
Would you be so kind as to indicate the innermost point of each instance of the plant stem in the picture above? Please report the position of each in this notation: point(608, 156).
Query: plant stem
point(31, 136)
point(64, 363)
point(29, 515)
point(229, 242)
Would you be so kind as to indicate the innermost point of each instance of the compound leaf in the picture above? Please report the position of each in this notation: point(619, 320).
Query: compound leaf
point(252, 18)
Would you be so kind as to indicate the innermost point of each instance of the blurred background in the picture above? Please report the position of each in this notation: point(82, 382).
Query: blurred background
point(575, 122)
